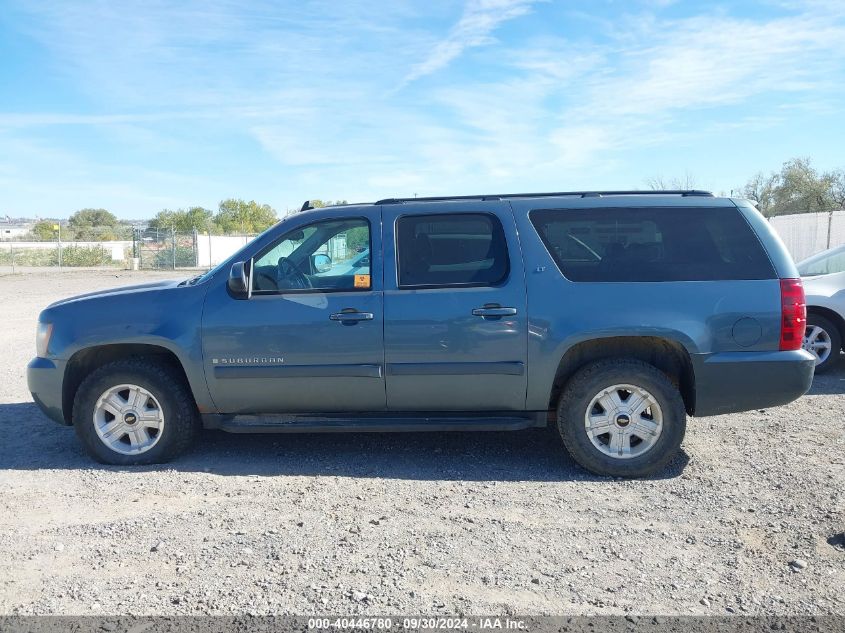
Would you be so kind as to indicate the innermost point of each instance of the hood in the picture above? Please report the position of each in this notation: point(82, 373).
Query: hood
point(122, 290)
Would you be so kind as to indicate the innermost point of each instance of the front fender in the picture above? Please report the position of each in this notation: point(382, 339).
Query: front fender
point(169, 318)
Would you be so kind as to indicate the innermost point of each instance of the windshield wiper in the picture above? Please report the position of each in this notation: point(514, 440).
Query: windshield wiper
point(192, 281)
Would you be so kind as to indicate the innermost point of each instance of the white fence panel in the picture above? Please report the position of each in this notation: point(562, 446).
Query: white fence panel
point(806, 234)
point(213, 249)
point(837, 228)
point(803, 233)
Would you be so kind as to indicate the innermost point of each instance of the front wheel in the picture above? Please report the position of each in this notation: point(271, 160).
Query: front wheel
point(134, 411)
point(622, 418)
point(822, 340)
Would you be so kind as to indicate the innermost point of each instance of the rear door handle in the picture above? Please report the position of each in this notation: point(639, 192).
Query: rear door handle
point(493, 311)
point(349, 317)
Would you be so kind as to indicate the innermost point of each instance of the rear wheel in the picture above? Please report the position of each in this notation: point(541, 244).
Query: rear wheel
point(622, 418)
point(822, 340)
point(135, 411)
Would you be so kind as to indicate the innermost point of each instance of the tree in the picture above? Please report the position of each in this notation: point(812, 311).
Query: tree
point(197, 219)
point(238, 216)
point(92, 217)
point(659, 183)
point(801, 189)
point(43, 230)
point(761, 190)
point(164, 220)
point(182, 220)
point(797, 188)
point(358, 238)
point(837, 188)
point(319, 204)
point(93, 224)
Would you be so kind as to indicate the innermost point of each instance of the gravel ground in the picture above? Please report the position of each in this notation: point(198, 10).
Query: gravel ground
point(749, 519)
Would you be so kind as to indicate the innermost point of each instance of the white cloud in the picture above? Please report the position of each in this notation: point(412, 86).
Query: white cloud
point(709, 61)
point(480, 18)
point(567, 112)
point(663, 83)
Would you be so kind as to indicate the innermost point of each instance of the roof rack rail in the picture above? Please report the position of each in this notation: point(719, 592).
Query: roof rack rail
point(581, 194)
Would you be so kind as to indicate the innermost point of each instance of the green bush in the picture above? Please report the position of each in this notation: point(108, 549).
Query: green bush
point(85, 256)
point(72, 256)
point(28, 257)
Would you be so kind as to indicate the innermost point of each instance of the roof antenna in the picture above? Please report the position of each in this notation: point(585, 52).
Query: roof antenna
point(305, 206)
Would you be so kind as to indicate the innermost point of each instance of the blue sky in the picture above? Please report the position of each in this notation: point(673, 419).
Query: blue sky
point(139, 106)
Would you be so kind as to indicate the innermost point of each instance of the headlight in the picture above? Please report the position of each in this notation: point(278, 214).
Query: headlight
point(42, 338)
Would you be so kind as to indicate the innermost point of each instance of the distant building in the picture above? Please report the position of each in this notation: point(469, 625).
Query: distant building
point(14, 230)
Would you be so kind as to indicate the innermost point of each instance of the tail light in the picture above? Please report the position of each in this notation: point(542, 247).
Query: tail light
point(793, 311)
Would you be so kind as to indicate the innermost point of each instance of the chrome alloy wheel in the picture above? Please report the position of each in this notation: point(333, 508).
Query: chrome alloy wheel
point(623, 421)
point(817, 342)
point(128, 419)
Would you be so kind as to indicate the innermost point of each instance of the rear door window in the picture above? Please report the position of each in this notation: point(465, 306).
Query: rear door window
point(460, 249)
point(652, 244)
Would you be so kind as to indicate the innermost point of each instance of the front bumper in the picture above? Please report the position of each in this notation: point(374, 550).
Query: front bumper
point(44, 379)
point(741, 381)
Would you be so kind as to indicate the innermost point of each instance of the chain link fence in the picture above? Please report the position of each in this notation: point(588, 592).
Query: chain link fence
point(19, 255)
point(154, 249)
point(159, 250)
point(145, 249)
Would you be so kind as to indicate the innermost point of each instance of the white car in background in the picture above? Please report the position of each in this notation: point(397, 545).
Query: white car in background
point(824, 284)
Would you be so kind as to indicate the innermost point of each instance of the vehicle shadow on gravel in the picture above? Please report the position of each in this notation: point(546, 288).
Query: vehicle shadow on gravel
point(534, 455)
point(830, 383)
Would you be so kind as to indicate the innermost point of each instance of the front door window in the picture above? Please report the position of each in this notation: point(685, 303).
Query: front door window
point(331, 255)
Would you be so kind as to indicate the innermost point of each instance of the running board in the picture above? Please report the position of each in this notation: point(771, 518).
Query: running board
point(274, 423)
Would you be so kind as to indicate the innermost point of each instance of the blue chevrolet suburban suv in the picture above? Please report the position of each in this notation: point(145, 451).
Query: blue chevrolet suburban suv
point(611, 315)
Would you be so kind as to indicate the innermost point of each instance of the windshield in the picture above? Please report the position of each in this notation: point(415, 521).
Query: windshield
point(824, 263)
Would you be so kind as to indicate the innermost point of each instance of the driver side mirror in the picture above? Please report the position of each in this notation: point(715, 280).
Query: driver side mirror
point(239, 279)
point(321, 263)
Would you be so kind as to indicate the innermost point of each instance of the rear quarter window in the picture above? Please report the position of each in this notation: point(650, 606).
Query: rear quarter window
point(652, 244)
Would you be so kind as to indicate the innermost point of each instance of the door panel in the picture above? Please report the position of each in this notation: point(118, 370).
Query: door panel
point(284, 353)
point(305, 350)
point(459, 348)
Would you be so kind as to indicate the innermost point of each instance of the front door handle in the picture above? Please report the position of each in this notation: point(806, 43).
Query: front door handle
point(493, 311)
point(350, 316)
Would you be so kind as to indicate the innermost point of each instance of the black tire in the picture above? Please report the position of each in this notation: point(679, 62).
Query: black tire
point(166, 384)
point(588, 382)
point(815, 320)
